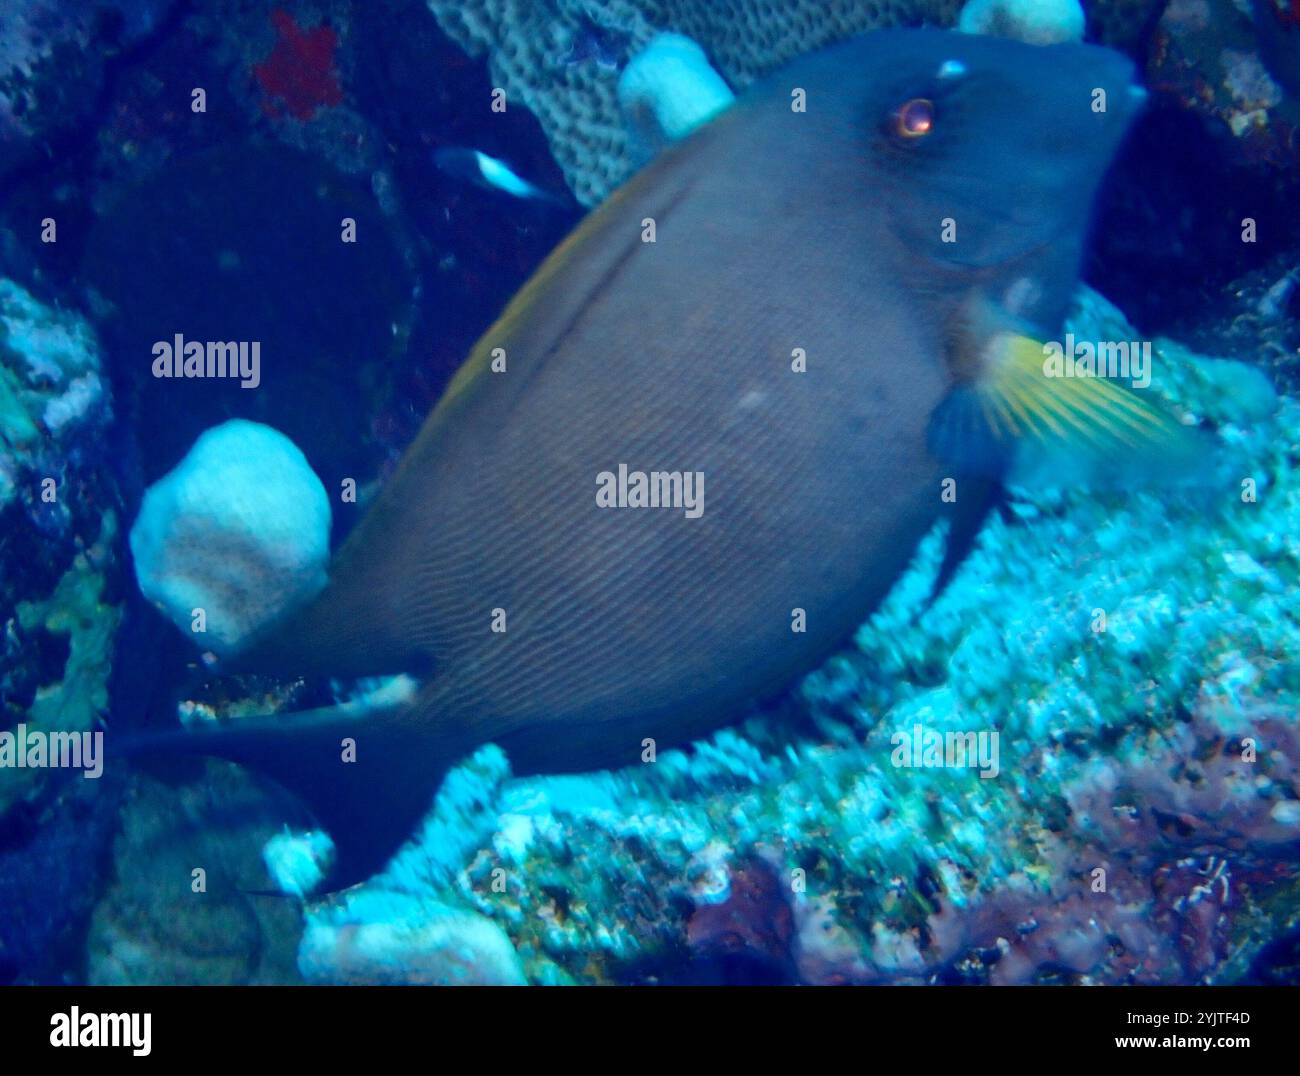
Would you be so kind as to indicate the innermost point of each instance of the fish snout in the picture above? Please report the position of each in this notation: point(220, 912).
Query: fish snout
point(1118, 79)
point(1133, 99)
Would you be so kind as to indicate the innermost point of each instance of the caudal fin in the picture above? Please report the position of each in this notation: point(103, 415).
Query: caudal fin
point(368, 778)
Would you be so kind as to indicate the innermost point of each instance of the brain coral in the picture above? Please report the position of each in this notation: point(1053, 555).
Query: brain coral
point(561, 58)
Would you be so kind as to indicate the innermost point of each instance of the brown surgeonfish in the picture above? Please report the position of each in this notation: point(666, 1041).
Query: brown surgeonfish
point(706, 437)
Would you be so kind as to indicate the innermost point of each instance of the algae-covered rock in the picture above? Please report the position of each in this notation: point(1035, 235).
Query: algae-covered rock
point(59, 527)
point(77, 700)
point(412, 943)
point(49, 382)
point(188, 901)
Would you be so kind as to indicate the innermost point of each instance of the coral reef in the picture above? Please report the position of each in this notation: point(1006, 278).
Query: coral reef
point(409, 942)
point(286, 67)
point(1135, 651)
point(49, 381)
point(51, 864)
point(53, 55)
point(187, 904)
point(299, 76)
point(1264, 322)
point(75, 612)
point(57, 526)
point(236, 534)
point(1237, 64)
point(59, 614)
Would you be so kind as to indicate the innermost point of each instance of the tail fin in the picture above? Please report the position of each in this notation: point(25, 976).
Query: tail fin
point(368, 778)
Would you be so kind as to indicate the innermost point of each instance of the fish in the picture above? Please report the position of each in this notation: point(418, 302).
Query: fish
point(822, 306)
point(595, 44)
point(492, 174)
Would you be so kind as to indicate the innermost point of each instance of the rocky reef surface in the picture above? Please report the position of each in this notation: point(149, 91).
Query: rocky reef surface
point(60, 595)
point(57, 507)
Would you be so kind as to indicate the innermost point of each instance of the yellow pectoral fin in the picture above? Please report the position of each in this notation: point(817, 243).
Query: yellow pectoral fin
point(1085, 411)
point(1016, 397)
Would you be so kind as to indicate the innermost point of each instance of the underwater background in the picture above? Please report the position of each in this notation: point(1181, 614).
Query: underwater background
point(1162, 750)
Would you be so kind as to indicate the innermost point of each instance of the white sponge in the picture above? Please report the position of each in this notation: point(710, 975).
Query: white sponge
point(1036, 22)
point(671, 80)
point(298, 862)
point(239, 529)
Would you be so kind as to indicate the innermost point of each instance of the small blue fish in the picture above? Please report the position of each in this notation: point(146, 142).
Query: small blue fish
point(490, 173)
point(597, 45)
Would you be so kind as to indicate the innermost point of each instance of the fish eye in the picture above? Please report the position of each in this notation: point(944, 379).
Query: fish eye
point(915, 118)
